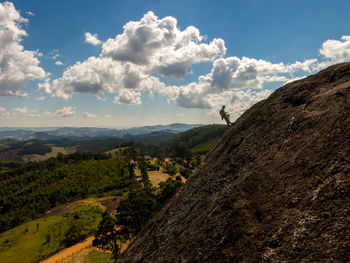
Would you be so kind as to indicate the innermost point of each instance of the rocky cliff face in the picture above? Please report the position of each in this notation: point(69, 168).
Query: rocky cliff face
point(275, 188)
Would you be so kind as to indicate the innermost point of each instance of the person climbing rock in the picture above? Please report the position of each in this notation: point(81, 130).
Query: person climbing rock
point(225, 116)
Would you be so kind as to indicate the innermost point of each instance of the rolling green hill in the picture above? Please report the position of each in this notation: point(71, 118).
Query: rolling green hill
point(197, 140)
point(44, 236)
point(7, 143)
point(170, 142)
point(29, 191)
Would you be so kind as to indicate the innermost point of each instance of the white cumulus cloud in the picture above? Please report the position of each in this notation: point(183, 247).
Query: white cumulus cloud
point(20, 110)
point(92, 39)
point(58, 63)
point(30, 13)
point(97, 75)
point(41, 98)
point(128, 97)
point(89, 115)
point(160, 46)
point(135, 61)
point(66, 111)
point(17, 65)
point(336, 50)
point(228, 77)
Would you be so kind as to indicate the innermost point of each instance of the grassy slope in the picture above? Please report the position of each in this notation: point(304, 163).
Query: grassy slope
point(98, 257)
point(28, 242)
point(7, 143)
point(88, 255)
point(54, 151)
point(32, 244)
point(64, 150)
point(204, 147)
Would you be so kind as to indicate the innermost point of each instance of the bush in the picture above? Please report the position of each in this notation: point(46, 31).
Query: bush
point(76, 232)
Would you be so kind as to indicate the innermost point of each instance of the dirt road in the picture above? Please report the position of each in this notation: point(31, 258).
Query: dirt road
point(69, 251)
point(74, 250)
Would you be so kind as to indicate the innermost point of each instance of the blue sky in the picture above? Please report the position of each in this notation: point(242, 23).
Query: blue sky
point(155, 70)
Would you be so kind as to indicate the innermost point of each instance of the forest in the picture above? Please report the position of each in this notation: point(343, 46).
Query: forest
point(29, 191)
point(102, 167)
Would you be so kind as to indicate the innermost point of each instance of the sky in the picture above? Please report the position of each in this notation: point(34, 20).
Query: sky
point(132, 63)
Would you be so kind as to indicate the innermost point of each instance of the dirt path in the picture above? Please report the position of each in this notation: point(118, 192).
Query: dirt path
point(79, 257)
point(110, 203)
point(72, 251)
point(69, 251)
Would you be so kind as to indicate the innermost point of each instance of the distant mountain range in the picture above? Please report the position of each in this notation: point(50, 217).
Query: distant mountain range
point(83, 133)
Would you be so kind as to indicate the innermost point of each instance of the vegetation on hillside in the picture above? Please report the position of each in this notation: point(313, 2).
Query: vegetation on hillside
point(7, 143)
point(35, 147)
point(154, 143)
point(123, 167)
point(143, 202)
point(181, 144)
point(29, 191)
point(6, 166)
point(42, 237)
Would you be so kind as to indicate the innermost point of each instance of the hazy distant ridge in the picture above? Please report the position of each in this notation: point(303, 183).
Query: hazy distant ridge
point(51, 133)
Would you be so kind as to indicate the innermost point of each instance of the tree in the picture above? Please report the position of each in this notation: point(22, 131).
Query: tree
point(167, 190)
point(185, 172)
point(109, 236)
point(75, 232)
point(132, 214)
point(48, 238)
point(135, 211)
point(170, 168)
point(144, 174)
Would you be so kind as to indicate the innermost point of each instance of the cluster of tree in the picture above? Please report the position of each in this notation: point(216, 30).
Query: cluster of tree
point(35, 147)
point(99, 144)
point(8, 165)
point(153, 138)
point(133, 213)
point(8, 143)
point(80, 223)
point(31, 190)
point(144, 201)
point(180, 145)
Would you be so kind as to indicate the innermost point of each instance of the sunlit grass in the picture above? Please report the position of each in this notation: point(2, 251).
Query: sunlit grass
point(40, 238)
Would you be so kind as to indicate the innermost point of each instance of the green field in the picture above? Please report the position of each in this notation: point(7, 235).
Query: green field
point(40, 238)
point(64, 150)
point(204, 147)
point(116, 151)
point(54, 151)
point(98, 257)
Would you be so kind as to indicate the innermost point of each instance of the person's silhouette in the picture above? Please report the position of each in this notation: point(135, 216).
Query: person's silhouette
point(225, 116)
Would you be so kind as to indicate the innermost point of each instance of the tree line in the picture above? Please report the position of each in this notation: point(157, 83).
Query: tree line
point(29, 191)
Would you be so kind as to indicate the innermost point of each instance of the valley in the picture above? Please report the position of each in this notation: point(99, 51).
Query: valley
point(56, 199)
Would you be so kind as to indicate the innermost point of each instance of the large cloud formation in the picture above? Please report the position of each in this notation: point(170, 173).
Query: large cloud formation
point(97, 75)
point(230, 77)
point(149, 50)
point(335, 50)
point(127, 62)
point(17, 66)
point(159, 46)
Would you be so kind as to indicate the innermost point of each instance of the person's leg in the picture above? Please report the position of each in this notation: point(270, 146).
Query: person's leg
point(227, 121)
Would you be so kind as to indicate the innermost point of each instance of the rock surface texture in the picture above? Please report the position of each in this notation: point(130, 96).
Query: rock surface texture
point(275, 188)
